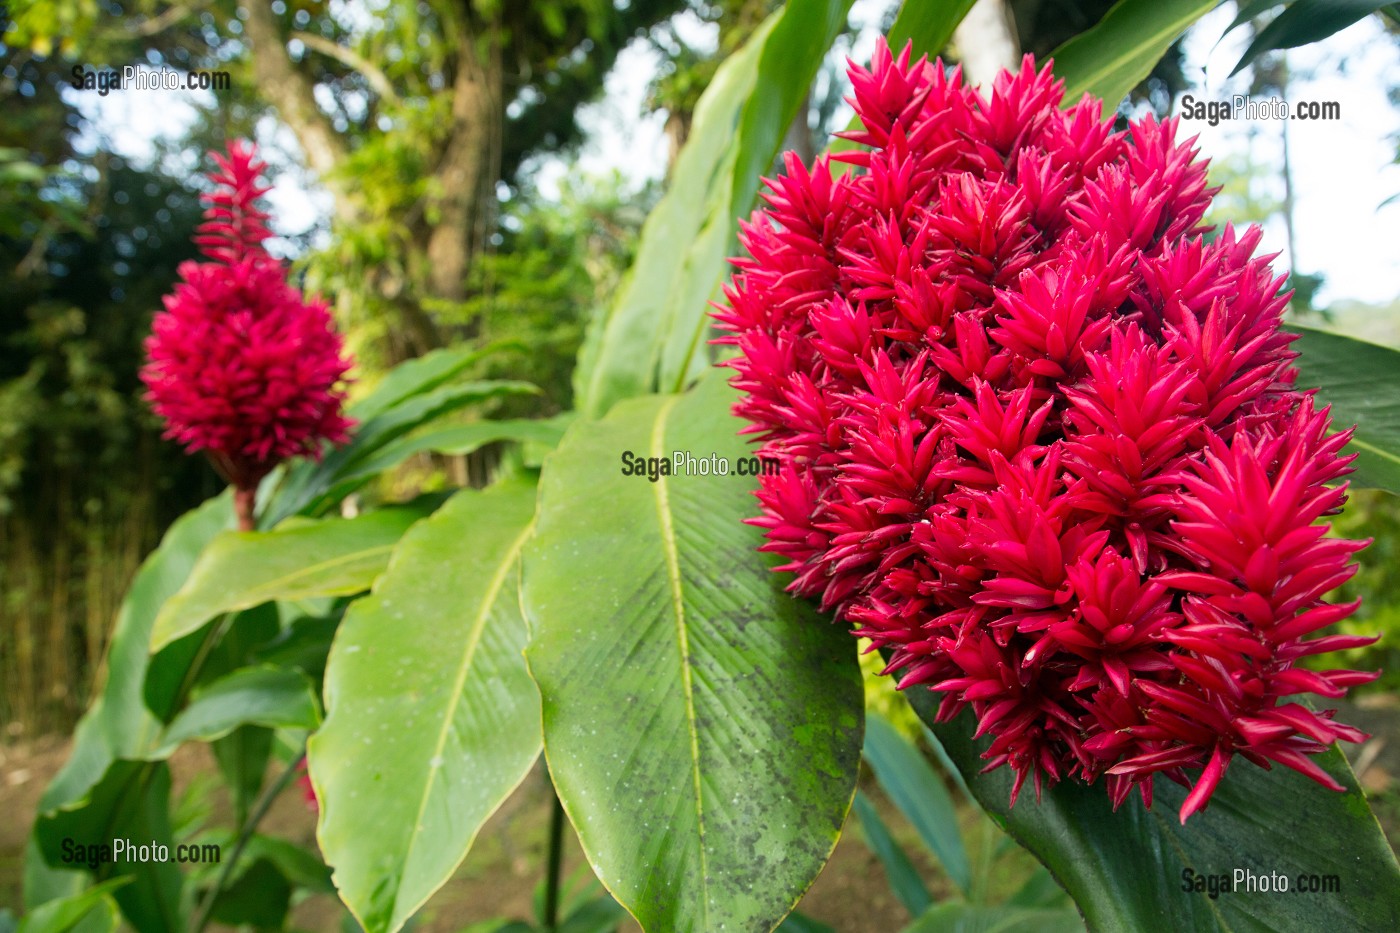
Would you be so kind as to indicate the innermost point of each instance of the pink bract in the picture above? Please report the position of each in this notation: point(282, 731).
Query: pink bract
point(1040, 437)
point(240, 365)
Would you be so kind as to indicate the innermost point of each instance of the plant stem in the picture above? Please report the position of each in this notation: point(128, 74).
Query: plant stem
point(206, 905)
point(556, 861)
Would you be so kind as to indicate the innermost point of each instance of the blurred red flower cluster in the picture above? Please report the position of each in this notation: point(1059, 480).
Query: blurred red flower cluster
point(240, 365)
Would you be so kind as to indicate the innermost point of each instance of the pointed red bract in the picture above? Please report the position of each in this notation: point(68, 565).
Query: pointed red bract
point(1039, 438)
point(240, 365)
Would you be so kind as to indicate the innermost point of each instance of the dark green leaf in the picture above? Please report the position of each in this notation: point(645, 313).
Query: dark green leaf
point(1307, 21)
point(661, 645)
point(1125, 869)
point(1361, 381)
point(130, 803)
point(260, 897)
point(242, 757)
point(267, 696)
point(119, 725)
point(600, 915)
point(241, 569)
point(1248, 10)
point(1110, 59)
point(90, 910)
point(308, 485)
point(427, 673)
point(798, 923)
point(918, 792)
point(903, 877)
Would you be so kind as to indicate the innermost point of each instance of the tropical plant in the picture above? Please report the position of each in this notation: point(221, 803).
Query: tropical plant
point(703, 728)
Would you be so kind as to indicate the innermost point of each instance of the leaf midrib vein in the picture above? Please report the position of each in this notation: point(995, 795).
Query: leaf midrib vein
point(668, 545)
point(455, 696)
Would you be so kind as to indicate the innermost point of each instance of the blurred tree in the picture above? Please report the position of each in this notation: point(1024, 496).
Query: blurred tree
point(411, 112)
point(88, 244)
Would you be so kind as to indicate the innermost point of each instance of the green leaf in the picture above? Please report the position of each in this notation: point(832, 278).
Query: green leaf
point(263, 696)
point(130, 803)
point(415, 377)
point(1361, 381)
point(1246, 11)
point(969, 918)
point(1125, 869)
point(918, 792)
point(702, 727)
point(118, 724)
point(308, 485)
point(1110, 59)
point(903, 877)
point(241, 569)
point(788, 61)
point(928, 24)
point(431, 717)
point(787, 64)
point(1307, 21)
point(457, 440)
point(93, 908)
point(260, 897)
point(242, 756)
point(623, 361)
point(799, 923)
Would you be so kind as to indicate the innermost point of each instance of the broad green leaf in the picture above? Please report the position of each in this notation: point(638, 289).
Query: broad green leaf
point(787, 64)
point(1361, 381)
point(971, 918)
point(431, 717)
point(262, 696)
point(130, 803)
point(1125, 869)
point(89, 910)
point(308, 484)
point(241, 569)
point(903, 877)
point(457, 440)
point(623, 361)
point(414, 377)
point(1307, 21)
point(118, 724)
point(702, 727)
point(1110, 59)
point(918, 792)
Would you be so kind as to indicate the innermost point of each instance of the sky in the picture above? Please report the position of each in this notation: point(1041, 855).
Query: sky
point(1342, 170)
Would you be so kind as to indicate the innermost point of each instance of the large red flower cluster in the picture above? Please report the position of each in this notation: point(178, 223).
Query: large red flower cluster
point(1039, 437)
point(239, 364)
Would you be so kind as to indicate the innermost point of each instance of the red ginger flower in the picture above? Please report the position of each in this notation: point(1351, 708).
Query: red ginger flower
point(239, 364)
point(1040, 438)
